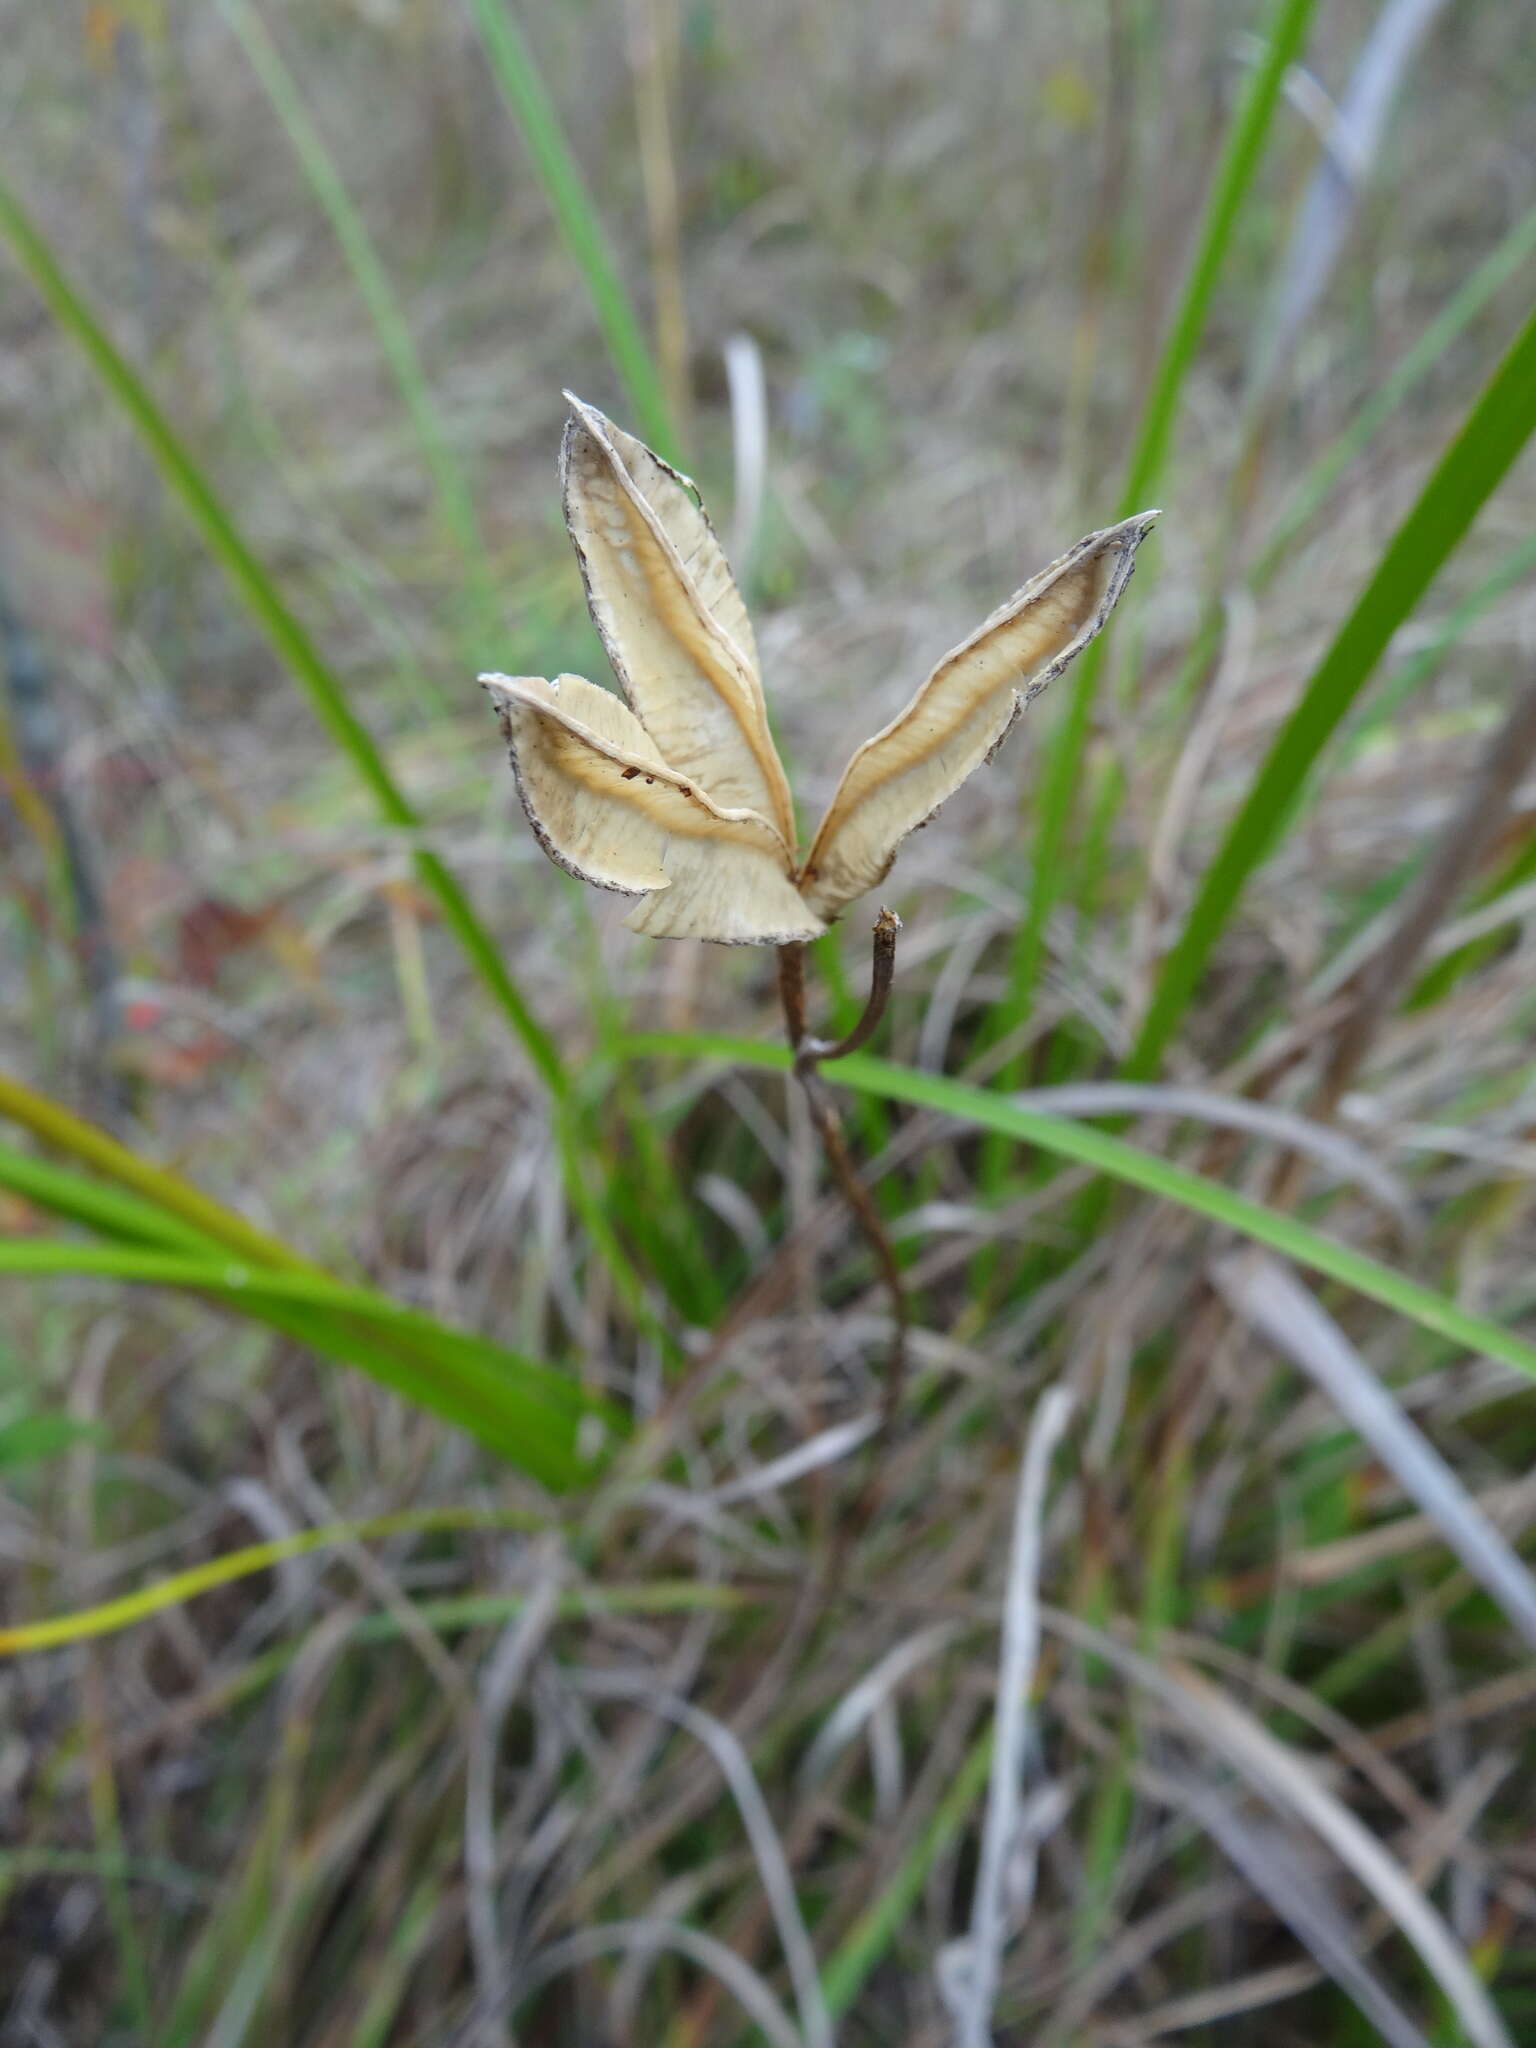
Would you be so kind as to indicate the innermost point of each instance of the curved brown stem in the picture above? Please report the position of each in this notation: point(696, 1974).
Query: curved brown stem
point(809, 1053)
point(882, 968)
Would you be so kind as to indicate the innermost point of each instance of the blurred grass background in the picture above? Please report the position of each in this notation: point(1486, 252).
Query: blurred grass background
point(458, 1717)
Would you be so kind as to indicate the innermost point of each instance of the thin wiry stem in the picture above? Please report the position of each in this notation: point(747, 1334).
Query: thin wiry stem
point(809, 1053)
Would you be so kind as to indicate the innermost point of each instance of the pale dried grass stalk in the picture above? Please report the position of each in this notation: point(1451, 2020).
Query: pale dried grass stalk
point(1290, 1785)
point(1270, 1300)
point(772, 1864)
point(628, 1936)
point(982, 1952)
point(1280, 1877)
point(506, 1670)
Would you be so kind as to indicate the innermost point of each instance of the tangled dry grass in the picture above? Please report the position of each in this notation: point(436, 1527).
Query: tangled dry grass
point(637, 1766)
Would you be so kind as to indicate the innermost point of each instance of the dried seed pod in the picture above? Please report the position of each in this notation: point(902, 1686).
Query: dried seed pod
point(606, 807)
point(677, 794)
point(670, 616)
point(963, 713)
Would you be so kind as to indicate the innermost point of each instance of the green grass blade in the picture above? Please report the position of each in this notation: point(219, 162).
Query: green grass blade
point(455, 501)
point(384, 1355)
point(1229, 189)
point(526, 1413)
point(98, 1208)
point(1230, 185)
point(1497, 428)
point(1442, 977)
point(1437, 981)
point(1115, 1159)
point(174, 1589)
point(138, 1222)
point(160, 1189)
point(867, 1941)
point(207, 1267)
point(539, 123)
point(1417, 670)
point(152, 1207)
point(288, 637)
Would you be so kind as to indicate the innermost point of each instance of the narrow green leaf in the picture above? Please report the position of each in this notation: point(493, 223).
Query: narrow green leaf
point(1437, 981)
point(104, 1209)
point(163, 1193)
point(455, 500)
point(1498, 427)
point(1117, 1160)
point(174, 1589)
point(1058, 793)
point(214, 1270)
point(528, 97)
point(527, 1413)
point(880, 1923)
point(133, 1220)
point(288, 637)
point(153, 1207)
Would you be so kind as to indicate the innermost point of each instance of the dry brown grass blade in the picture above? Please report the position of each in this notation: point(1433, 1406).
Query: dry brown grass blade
point(505, 1674)
point(653, 58)
point(1473, 828)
